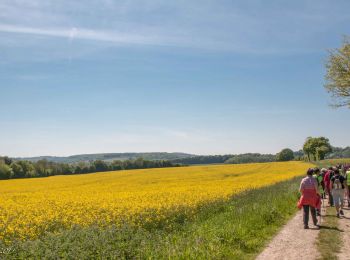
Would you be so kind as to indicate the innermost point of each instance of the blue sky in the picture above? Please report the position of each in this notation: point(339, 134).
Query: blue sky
point(204, 77)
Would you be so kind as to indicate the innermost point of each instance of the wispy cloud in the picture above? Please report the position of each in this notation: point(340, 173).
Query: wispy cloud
point(238, 27)
point(87, 34)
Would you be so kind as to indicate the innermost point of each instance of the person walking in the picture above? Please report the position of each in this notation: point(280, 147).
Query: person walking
point(309, 199)
point(348, 185)
point(323, 173)
point(337, 191)
point(327, 182)
point(318, 177)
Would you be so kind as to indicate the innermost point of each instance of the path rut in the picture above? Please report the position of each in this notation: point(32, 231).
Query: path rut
point(291, 241)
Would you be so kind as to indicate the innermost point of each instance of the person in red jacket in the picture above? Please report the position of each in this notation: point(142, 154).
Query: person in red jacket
point(327, 183)
point(309, 199)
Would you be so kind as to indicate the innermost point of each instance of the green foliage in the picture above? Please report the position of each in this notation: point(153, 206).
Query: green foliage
point(285, 155)
point(203, 159)
point(5, 160)
point(100, 166)
point(316, 148)
point(44, 168)
point(338, 74)
point(331, 162)
point(329, 240)
point(235, 229)
point(338, 152)
point(17, 170)
point(251, 158)
point(28, 169)
point(228, 158)
point(109, 157)
point(5, 171)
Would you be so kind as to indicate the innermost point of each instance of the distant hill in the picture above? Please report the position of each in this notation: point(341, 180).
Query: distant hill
point(182, 158)
point(109, 157)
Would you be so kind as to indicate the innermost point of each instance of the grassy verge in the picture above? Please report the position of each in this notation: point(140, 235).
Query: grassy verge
point(332, 162)
point(234, 229)
point(329, 240)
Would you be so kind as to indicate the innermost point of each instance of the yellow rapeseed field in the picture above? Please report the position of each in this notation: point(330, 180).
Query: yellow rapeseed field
point(30, 207)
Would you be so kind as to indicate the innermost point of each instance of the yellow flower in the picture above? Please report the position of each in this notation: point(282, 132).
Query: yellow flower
point(30, 207)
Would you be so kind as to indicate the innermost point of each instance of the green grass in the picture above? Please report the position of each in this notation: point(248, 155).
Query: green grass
point(329, 240)
point(236, 229)
point(332, 162)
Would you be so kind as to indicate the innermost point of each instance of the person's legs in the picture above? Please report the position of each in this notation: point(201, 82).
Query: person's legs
point(341, 198)
point(323, 190)
point(336, 201)
point(330, 199)
point(306, 215)
point(313, 215)
point(318, 212)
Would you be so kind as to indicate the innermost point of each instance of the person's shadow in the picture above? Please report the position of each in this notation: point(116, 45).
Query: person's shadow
point(331, 228)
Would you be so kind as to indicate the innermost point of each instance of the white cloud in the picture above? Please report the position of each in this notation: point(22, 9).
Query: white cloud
point(209, 25)
point(85, 34)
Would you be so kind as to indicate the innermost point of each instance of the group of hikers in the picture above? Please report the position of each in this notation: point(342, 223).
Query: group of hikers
point(333, 183)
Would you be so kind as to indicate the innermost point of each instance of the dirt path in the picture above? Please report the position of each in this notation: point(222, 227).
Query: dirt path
point(344, 224)
point(291, 240)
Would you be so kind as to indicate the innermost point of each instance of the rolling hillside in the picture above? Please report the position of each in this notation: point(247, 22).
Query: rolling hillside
point(109, 157)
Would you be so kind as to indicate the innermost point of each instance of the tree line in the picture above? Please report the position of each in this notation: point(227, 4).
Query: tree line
point(10, 168)
point(314, 149)
point(231, 159)
point(338, 153)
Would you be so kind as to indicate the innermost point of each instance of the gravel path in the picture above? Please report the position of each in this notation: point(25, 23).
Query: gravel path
point(291, 241)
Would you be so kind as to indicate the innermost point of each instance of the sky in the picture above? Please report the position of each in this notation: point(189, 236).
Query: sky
point(202, 77)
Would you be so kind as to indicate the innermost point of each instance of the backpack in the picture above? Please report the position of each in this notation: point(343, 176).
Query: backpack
point(337, 184)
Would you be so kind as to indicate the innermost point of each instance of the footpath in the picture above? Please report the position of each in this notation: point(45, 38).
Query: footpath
point(291, 242)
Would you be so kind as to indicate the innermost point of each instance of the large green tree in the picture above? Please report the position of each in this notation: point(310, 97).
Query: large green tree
point(17, 170)
point(316, 148)
point(5, 171)
point(285, 155)
point(338, 74)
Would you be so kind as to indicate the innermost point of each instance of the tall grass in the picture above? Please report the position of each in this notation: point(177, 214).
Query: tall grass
point(332, 162)
point(329, 240)
point(238, 228)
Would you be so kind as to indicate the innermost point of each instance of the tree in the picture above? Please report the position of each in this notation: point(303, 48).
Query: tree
point(5, 171)
point(317, 147)
point(66, 168)
point(322, 147)
point(338, 74)
point(285, 155)
point(139, 163)
point(116, 165)
point(42, 168)
point(17, 170)
point(308, 148)
point(6, 160)
point(100, 166)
